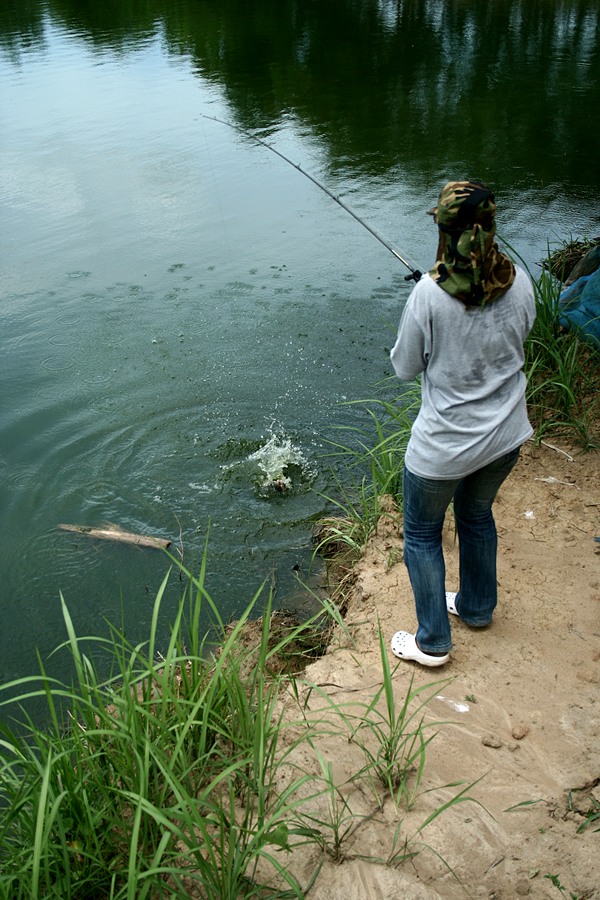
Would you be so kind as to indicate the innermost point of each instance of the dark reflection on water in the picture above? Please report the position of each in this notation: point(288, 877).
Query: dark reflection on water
point(515, 81)
point(178, 307)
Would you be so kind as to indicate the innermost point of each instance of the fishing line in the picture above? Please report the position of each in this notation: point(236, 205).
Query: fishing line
point(415, 274)
point(212, 168)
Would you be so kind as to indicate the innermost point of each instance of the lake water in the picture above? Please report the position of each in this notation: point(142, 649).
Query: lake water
point(182, 313)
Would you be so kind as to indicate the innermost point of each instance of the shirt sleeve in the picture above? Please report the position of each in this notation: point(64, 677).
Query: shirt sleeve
point(409, 355)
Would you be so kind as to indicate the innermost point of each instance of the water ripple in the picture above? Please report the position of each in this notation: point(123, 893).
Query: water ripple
point(57, 364)
point(68, 320)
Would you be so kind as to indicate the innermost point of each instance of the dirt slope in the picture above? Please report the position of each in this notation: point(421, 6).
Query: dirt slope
point(521, 713)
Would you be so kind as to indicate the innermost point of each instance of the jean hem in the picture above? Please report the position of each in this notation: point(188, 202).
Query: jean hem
point(432, 650)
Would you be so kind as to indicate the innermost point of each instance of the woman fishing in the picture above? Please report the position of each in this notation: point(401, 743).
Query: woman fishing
point(462, 330)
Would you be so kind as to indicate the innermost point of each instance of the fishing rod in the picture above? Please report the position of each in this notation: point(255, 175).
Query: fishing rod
point(415, 274)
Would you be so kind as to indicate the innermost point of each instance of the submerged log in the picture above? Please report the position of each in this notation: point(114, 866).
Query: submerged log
point(114, 533)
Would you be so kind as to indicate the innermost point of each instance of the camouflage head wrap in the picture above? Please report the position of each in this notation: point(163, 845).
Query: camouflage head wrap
point(469, 265)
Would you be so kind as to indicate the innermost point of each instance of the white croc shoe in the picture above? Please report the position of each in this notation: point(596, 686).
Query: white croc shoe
point(404, 646)
point(451, 603)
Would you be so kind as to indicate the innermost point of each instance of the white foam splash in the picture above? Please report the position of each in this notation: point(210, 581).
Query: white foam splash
point(274, 460)
point(276, 466)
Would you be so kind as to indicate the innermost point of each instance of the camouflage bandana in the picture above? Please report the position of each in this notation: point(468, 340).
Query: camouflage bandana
point(469, 265)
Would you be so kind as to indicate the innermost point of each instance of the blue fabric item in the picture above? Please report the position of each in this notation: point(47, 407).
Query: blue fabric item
point(579, 308)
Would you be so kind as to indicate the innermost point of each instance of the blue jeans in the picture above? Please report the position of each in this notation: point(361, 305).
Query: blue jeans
point(425, 502)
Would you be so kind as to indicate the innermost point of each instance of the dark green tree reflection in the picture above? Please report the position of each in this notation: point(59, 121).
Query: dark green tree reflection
point(510, 88)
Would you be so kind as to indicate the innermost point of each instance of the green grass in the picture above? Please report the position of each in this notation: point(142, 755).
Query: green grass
point(563, 395)
point(373, 457)
point(155, 782)
point(555, 880)
point(592, 818)
point(192, 770)
point(378, 448)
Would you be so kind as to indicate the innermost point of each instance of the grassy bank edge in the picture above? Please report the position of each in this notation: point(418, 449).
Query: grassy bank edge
point(197, 772)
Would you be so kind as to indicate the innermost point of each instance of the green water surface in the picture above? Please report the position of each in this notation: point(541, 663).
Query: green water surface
point(182, 312)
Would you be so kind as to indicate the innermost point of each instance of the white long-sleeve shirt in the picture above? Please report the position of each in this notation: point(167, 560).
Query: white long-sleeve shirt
point(473, 387)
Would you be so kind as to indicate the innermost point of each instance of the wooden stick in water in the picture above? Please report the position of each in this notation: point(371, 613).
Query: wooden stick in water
point(114, 533)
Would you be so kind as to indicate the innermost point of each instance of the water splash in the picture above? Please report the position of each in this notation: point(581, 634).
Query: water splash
point(275, 467)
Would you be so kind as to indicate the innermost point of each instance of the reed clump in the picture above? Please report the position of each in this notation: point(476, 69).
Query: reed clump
point(195, 769)
point(372, 457)
point(562, 260)
point(563, 384)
